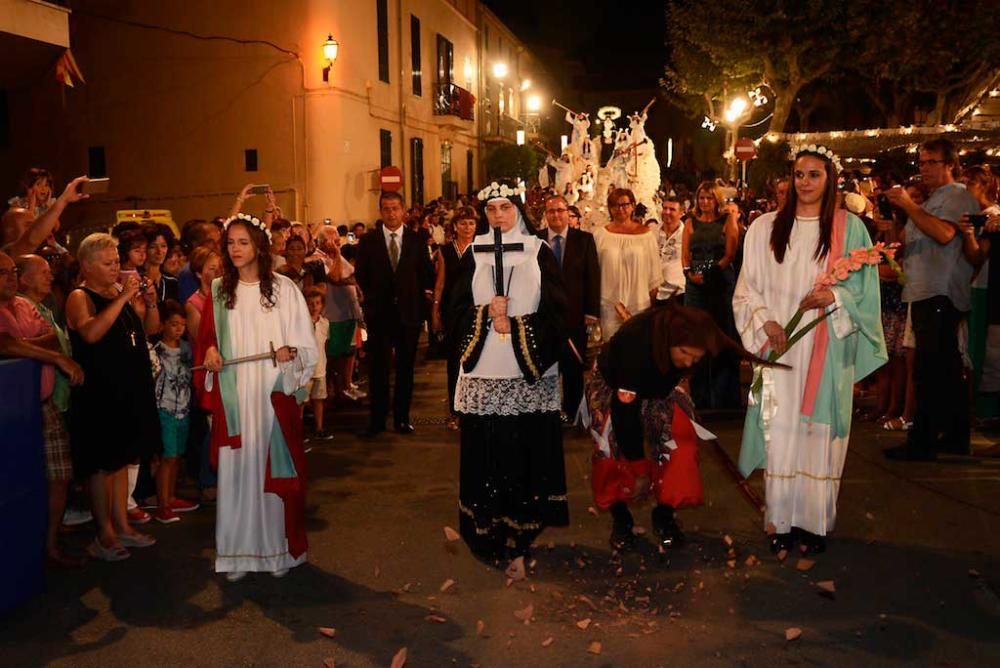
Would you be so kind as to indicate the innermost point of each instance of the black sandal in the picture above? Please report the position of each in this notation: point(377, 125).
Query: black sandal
point(782, 541)
point(810, 543)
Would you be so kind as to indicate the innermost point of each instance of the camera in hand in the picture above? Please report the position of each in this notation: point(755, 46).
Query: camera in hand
point(977, 220)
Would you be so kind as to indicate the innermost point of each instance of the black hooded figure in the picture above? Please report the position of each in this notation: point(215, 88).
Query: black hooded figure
point(508, 311)
point(636, 396)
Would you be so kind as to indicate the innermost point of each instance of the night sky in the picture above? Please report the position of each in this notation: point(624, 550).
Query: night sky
point(619, 46)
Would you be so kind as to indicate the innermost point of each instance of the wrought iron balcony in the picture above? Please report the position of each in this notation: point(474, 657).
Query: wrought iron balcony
point(452, 100)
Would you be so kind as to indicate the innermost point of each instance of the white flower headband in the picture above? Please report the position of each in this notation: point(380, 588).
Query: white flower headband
point(496, 190)
point(818, 149)
point(250, 220)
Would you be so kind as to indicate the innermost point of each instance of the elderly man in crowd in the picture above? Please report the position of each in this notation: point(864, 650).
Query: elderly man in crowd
point(24, 332)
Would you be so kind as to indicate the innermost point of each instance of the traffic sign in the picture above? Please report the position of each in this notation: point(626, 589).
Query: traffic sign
point(745, 149)
point(390, 179)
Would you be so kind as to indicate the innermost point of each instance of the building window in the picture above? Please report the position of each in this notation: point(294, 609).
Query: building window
point(382, 7)
point(445, 61)
point(385, 148)
point(418, 87)
point(250, 160)
point(417, 170)
point(97, 167)
point(449, 189)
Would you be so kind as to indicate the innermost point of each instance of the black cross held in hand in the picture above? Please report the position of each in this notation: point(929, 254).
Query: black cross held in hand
point(498, 248)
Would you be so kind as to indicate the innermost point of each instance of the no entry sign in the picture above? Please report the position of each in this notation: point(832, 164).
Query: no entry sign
point(745, 149)
point(390, 179)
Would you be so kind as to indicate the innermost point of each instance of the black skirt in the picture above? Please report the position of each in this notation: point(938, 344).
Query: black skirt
point(513, 481)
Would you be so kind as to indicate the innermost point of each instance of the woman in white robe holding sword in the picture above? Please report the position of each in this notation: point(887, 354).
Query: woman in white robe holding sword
point(256, 427)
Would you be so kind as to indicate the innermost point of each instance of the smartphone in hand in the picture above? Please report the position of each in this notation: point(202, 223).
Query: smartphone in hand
point(259, 190)
point(95, 186)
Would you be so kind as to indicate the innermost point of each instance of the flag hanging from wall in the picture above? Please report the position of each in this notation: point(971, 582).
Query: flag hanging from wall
point(67, 70)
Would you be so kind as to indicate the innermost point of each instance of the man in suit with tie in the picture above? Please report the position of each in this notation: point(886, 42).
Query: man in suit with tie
point(576, 254)
point(394, 272)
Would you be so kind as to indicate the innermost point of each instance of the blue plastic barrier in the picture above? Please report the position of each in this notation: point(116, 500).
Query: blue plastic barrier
point(23, 488)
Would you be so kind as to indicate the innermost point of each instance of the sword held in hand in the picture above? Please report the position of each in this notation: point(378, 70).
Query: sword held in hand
point(272, 355)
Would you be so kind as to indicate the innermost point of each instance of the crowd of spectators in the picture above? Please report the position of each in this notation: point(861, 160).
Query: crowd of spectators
point(113, 325)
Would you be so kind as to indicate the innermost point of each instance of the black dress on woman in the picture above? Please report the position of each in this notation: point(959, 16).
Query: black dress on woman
point(513, 481)
point(717, 383)
point(449, 254)
point(113, 417)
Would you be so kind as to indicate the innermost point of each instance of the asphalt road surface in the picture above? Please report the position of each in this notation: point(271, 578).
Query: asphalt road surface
point(914, 566)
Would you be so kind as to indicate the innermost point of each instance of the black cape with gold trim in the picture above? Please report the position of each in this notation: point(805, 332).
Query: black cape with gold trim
point(512, 479)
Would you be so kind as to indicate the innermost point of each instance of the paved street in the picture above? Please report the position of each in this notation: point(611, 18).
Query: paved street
point(915, 564)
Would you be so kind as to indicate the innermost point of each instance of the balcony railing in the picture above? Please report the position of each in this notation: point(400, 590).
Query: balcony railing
point(452, 100)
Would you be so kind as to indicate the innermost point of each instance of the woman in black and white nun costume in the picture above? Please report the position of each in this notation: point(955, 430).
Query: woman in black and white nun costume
point(513, 481)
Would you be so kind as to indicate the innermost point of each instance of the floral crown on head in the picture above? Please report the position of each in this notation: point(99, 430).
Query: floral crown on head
point(249, 220)
point(497, 190)
point(816, 149)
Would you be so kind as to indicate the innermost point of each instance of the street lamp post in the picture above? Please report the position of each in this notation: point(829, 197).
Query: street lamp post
point(734, 114)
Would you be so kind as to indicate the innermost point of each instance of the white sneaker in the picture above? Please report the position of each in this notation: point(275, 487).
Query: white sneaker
point(235, 576)
point(75, 516)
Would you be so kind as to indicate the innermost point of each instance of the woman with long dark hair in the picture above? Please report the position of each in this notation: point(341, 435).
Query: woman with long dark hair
point(798, 423)
point(711, 237)
point(256, 426)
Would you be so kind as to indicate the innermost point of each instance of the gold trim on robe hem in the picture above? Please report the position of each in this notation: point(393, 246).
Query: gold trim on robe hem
point(501, 520)
point(790, 476)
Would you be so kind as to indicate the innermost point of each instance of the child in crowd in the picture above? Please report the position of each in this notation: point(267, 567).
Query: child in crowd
point(173, 397)
point(316, 300)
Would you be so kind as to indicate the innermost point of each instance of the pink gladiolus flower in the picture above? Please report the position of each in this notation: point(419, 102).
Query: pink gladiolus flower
point(841, 273)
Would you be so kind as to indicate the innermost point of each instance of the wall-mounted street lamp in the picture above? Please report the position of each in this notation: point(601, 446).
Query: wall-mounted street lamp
point(534, 103)
point(331, 48)
point(500, 70)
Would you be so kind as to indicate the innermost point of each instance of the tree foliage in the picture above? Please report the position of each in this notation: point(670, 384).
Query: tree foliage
point(509, 161)
point(934, 53)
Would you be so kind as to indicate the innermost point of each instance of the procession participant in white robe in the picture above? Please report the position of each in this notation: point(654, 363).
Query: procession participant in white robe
point(581, 129)
point(618, 163)
point(798, 425)
point(256, 426)
point(564, 173)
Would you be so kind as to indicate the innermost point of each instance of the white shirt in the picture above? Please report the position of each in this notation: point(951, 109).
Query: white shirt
point(552, 237)
point(388, 238)
point(673, 265)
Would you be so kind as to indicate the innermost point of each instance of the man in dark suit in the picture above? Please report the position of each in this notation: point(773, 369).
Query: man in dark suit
point(576, 254)
point(395, 275)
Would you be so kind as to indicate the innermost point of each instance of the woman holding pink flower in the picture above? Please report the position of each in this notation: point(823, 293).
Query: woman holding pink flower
point(808, 293)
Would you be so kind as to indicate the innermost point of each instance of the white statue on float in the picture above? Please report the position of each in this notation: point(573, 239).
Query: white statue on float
point(644, 170)
point(582, 179)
